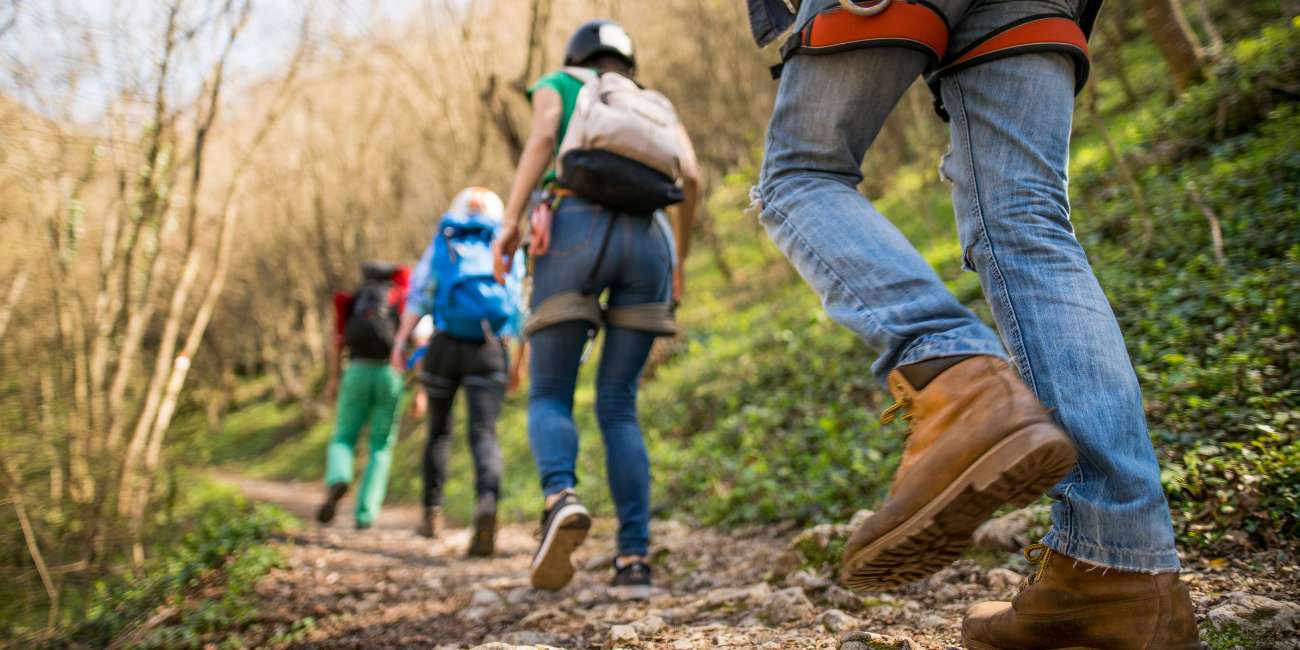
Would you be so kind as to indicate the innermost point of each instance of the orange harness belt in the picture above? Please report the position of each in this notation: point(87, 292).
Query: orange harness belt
point(918, 25)
point(1032, 34)
point(914, 25)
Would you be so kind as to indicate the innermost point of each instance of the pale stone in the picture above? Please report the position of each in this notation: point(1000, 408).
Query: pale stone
point(873, 641)
point(786, 605)
point(484, 598)
point(649, 626)
point(1010, 532)
point(842, 598)
point(836, 621)
point(860, 517)
point(807, 581)
point(1001, 579)
point(623, 634)
point(787, 562)
point(531, 638)
point(1260, 617)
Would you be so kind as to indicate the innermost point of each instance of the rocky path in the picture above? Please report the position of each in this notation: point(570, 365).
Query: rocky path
point(386, 587)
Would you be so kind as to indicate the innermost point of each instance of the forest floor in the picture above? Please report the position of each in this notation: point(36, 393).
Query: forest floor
point(387, 587)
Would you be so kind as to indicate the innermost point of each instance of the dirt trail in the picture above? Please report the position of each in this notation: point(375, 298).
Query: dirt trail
point(388, 588)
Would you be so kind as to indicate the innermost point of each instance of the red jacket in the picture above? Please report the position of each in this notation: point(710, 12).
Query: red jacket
point(343, 302)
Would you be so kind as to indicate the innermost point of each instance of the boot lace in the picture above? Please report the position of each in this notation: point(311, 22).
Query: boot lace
point(903, 406)
point(1039, 555)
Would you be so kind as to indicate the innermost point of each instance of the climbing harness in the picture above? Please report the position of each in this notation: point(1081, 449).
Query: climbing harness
point(919, 25)
point(584, 304)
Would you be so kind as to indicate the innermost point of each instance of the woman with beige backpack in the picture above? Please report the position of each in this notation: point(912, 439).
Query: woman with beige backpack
point(603, 256)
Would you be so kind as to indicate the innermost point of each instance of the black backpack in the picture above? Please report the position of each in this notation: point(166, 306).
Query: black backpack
point(372, 322)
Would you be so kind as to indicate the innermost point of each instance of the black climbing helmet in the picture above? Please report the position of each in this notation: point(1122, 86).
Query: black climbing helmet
point(599, 37)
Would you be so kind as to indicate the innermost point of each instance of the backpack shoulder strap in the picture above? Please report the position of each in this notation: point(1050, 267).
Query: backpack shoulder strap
point(585, 75)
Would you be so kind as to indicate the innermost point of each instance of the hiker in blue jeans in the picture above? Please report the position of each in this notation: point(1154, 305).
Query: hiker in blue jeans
point(1053, 403)
point(581, 250)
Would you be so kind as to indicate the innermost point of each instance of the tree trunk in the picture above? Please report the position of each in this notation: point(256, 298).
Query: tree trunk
point(1112, 57)
point(1177, 42)
point(11, 300)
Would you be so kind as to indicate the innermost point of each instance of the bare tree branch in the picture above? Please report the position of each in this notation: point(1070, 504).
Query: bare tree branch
point(29, 536)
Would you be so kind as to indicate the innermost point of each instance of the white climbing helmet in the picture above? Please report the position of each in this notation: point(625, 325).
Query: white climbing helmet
point(478, 201)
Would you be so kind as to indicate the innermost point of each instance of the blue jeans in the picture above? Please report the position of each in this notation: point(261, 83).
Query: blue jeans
point(1007, 166)
point(636, 269)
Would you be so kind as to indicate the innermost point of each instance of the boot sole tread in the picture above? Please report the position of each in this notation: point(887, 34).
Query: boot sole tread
point(553, 569)
point(1016, 471)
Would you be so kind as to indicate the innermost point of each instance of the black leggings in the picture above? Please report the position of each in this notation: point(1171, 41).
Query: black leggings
point(481, 368)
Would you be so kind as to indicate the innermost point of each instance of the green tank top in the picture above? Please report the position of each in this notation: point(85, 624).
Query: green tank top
point(567, 87)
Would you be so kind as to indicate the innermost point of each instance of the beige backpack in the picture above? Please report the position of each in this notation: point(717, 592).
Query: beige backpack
point(623, 147)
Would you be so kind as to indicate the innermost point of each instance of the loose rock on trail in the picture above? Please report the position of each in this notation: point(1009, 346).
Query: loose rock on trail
point(388, 588)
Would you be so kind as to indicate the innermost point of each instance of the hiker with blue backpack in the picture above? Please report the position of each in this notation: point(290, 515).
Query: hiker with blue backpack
point(473, 315)
point(621, 156)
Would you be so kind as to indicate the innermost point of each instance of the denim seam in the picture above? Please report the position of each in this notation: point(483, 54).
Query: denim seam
point(1115, 560)
point(1119, 549)
point(830, 271)
point(922, 347)
point(1134, 561)
point(1004, 296)
point(1066, 527)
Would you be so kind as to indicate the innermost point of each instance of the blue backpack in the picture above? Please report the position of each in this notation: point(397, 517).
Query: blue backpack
point(469, 303)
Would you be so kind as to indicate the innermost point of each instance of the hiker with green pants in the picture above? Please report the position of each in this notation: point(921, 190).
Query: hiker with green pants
point(365, 325)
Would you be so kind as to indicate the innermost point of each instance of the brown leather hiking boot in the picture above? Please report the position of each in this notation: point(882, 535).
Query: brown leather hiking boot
point(978, 439)
point(1072, 604)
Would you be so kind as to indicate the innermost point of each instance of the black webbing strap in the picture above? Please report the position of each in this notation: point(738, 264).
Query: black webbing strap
point(589, 288)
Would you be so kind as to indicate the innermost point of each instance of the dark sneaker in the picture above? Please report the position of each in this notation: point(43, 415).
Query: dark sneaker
point(333, 493)
point(483, 541)
point(564, 528)
point(363, 525)
point(631, 581)
point(430, 522)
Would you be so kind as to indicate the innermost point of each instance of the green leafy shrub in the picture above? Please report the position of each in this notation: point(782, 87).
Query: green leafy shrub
point(1215, 345)
point(1257, 76)
point(1237, 491)
point(205, 585)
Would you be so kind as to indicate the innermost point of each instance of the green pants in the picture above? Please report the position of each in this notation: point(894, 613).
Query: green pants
point(369, 393)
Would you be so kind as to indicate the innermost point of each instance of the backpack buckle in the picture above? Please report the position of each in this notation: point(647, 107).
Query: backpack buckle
point(859, 10)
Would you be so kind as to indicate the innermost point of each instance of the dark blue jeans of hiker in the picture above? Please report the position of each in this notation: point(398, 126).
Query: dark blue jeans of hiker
point(636, 269)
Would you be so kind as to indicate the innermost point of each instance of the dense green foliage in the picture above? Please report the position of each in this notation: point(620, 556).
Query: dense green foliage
point(1216, 345)
point(202, 584)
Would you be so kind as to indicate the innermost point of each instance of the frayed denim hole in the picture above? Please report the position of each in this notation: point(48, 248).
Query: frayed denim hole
point(944, 163)
point(755, 201)
point(946, 171)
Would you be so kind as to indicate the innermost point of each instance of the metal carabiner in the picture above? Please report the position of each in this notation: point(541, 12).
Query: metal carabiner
point(858, 10)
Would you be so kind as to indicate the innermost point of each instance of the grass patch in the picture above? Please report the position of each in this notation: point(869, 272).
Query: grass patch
point(196, 588)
